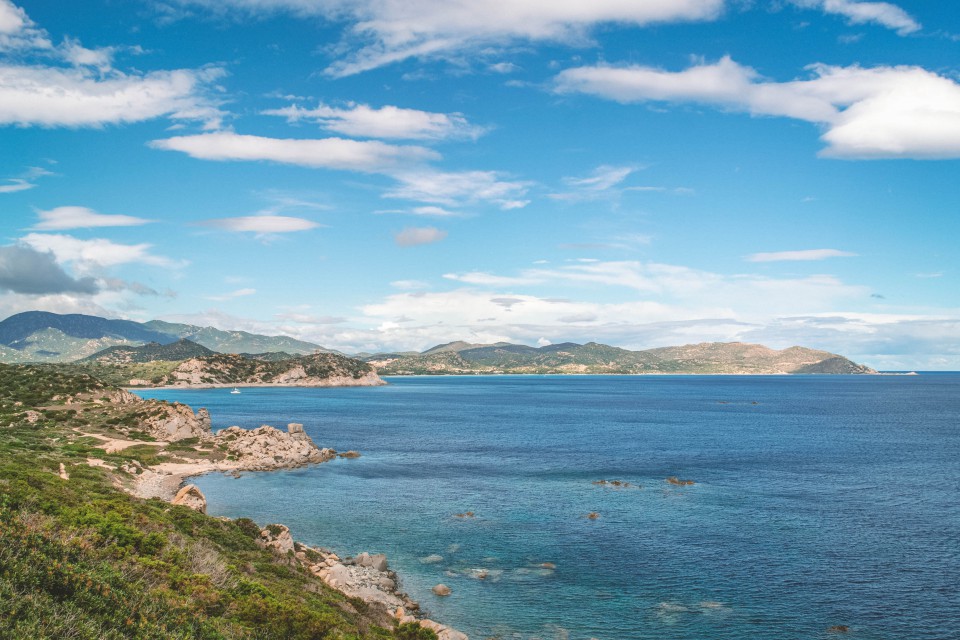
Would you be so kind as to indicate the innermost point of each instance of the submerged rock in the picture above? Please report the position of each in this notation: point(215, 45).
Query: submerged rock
point(431, 559)
point(441, 590)
point(680, 483)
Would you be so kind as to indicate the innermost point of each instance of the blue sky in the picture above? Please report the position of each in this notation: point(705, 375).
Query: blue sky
point(387, 175)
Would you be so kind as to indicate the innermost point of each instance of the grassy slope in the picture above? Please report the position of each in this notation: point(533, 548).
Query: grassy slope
point(81, 559)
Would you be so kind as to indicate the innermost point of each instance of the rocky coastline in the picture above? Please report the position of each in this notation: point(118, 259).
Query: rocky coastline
point(365, 577)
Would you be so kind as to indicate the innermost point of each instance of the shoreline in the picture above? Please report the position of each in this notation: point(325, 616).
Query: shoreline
point(365, 577)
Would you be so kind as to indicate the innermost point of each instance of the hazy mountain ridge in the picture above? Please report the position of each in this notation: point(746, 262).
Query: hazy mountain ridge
point(569, 357)
point(40, 336)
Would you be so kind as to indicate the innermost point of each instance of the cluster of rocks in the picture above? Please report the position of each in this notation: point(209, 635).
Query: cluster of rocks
point(172, 422)
point(266, 447)
point(365, 576)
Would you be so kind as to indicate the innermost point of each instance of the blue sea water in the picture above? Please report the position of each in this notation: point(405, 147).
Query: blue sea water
point(819, 500)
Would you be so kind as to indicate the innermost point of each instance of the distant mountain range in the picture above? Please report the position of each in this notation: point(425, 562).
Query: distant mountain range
point(39, 336)
point(570, 357)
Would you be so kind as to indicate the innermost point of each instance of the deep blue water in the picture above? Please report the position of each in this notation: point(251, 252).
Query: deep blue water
point(819, 500)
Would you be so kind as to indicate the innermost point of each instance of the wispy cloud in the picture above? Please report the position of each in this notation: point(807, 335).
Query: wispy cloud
point(16, 184)
point(363, 121)
point(387, 32)
point(261, 224)
point(62, 218)
point(414, 236)
point(453, 188)
point(858, 12)
point(803, 255)
point(327, 153)
point(880, 112)
point(237, 293)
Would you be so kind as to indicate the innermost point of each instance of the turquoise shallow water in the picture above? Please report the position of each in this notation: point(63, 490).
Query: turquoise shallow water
point(832, 500)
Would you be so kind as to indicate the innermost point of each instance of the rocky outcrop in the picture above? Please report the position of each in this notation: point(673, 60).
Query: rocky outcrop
point(267, 448)
point(278, 538)
point(191, 496)
point(172, 422)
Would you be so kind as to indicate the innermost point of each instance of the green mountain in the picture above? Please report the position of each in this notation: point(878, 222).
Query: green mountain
point(570, 357)
point(151, 352)
point(235, 341)
point(39, 336)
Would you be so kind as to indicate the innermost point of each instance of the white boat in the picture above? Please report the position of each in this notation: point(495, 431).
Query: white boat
point(235, 390)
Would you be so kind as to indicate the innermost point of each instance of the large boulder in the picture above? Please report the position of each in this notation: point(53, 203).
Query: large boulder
point(191, 496)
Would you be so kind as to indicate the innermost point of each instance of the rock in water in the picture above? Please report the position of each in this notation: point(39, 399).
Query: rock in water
point(191, 496)
point(441, 590)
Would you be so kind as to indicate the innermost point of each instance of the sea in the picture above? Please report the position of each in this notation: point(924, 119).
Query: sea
point(820, 505)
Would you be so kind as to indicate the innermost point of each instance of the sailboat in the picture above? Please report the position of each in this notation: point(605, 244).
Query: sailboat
point(235, 390)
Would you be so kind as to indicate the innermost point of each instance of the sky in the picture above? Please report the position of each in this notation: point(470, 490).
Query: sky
point(382, 175)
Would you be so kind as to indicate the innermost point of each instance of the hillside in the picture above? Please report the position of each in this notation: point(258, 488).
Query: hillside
point(152, 351)
point(39, 336)
point(317, 370)
point(83, 559)
point(569, 357)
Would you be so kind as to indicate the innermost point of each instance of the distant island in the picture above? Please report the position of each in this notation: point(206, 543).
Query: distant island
point(157, 353)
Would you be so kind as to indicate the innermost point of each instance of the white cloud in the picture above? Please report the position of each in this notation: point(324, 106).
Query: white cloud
point(18, 31)
point(16, 184)
point(62, 218)
point(326, 153)
point(264, 224)
point(882, 13)
point(803, 255)
point(59, 97)
point(409, 285)
point(413, 236)
point(87, 255)
point(363, 121)
point(453, 188)
point(391, 31)
point(239, 293)
point(599, 184)
point(883, 112)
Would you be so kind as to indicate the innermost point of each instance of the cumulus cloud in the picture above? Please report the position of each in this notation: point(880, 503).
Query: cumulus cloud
point(62, 218)
point(75, 97)
point(856, 12)
point(90, 254)
point(18, 31)
point(413, 236)
point(803, 255)
point(262, 224)
point(326, 153)
point(385, 32)
point(363, 121)
point(881, 112)
point(29, 271)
